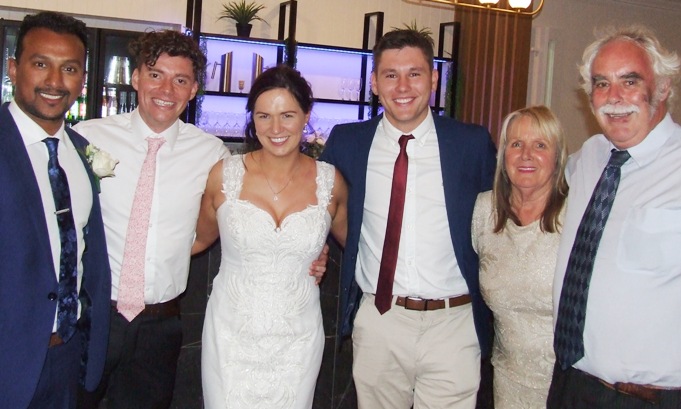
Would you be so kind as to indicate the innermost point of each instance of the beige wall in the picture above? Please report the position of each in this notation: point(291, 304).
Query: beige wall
point(170, 12)
point(567, 24)
point(570, 25)
point(329, 22)
point(332, 22)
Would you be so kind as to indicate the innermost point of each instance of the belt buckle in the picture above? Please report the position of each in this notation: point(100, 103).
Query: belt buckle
point(419, 304)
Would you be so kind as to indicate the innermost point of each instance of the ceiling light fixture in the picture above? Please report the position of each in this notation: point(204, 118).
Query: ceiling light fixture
point(523, 7)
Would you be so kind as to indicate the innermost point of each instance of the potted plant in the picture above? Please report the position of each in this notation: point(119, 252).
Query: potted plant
point(242, 13)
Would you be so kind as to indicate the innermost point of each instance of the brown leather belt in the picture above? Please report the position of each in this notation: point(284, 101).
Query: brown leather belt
point(420, 304)
point(161, 310)
point(55, 340)
point(648, 393)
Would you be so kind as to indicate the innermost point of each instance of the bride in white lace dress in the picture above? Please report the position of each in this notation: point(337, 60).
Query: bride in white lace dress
point(263, 336)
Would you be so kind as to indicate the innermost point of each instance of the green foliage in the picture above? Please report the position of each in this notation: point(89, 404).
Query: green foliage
point(290, 52)
point(449, 98)
point(241, 12)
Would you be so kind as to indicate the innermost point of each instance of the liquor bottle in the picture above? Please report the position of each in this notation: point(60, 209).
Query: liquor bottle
point(7, 89)
point(112, 101)
point(133, 101)
point(82, 105)
point(72, 113)
point(7, 86)
point(105, 105)
point(123, 102)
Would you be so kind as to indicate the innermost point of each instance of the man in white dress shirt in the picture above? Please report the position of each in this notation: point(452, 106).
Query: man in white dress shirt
point(632, 326)
point(143, 352)
point(424, 349)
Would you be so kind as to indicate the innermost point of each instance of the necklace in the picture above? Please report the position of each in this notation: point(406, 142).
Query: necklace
point(275, 194)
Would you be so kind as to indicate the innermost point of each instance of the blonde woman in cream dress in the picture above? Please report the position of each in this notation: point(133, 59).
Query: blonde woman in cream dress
point(516, 230)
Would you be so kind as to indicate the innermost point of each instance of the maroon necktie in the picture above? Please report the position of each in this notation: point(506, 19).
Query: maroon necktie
point(386, 274)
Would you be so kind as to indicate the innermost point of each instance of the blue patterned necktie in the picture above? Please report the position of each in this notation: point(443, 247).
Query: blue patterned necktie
point(67, 309)
point(568, 341)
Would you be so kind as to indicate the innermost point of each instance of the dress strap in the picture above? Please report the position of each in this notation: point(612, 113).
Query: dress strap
point(326, 174)
point(232, 176)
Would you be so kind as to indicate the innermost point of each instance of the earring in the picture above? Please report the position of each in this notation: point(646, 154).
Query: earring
point(307, 129)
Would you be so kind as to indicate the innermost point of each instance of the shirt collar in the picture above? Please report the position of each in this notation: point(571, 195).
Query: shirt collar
point(30, 131)
point(141, 130)
point(420, 133)
point(651, 146)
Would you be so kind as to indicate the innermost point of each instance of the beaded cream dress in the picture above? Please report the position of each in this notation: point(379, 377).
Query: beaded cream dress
point(516, 278)
point(263, 337)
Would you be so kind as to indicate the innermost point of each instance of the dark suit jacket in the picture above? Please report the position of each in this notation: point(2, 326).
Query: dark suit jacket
point(467, 158)
point(28, 281)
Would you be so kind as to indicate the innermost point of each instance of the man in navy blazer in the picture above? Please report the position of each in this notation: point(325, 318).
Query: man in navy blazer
point(425, 349)
point(38, 369)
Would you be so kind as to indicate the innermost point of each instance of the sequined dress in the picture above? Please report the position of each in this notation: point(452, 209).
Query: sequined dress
point(516, 278)
point(263, 337)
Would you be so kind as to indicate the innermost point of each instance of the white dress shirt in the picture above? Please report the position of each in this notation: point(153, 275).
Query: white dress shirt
point(426, 264)
point(182, 168)
point(633, 317)
point(79, 184)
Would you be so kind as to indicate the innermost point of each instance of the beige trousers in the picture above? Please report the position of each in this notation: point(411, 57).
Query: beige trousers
point(428, 359)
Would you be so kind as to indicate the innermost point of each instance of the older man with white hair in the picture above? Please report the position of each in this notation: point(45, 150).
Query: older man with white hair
point(617, 289)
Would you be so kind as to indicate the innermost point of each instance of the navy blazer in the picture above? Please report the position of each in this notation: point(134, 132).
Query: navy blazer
point(467, 159)
point(28, 281)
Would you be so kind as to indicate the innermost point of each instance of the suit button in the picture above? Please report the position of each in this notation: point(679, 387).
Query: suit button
point(52, 296)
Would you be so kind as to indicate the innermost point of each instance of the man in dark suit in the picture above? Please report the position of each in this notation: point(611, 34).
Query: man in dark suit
point(54, 276)
point(421, 345)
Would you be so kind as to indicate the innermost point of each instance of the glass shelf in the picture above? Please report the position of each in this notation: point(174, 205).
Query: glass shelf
point(339, 78)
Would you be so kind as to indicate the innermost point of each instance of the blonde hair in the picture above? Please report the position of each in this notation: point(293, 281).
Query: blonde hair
point(546, 123)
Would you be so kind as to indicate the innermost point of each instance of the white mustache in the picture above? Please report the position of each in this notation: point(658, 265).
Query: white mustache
point(611, 109)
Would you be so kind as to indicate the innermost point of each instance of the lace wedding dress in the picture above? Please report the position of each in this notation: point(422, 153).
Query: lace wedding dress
point(516, 280)
point(263, 337)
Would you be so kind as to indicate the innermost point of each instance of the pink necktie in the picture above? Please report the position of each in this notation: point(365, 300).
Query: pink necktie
point(391, 245)
point(131, 285)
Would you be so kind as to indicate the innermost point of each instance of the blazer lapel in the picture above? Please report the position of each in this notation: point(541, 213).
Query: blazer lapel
point(19, 163)
point(361, 148)
point(81, 143)
point(450, 164)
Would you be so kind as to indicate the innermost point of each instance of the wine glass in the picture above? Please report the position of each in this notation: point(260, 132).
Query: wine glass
point(217, 127)
point(204, 120)
point(342, 92)
point(356, 88)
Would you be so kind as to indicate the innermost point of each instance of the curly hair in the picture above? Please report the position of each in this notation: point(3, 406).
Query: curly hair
point(53, 21)
point(150, 45)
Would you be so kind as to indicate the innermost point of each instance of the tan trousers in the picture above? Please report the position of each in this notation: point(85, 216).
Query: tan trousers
point(428, 359)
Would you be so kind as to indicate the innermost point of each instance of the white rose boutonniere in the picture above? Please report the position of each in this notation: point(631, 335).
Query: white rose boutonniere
point(101, 162)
